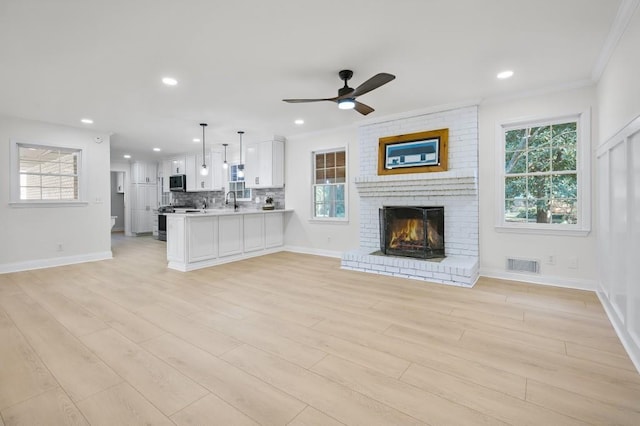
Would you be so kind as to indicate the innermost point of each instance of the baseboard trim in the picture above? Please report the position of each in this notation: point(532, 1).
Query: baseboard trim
point(629, 345)
point(317, 252)
point(53, 262)
point(573, 283)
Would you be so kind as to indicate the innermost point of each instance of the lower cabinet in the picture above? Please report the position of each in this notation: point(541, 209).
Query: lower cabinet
point(230, 235)
point(274, 230)
point(198, 241)
point(203, 238)
point(254, 232)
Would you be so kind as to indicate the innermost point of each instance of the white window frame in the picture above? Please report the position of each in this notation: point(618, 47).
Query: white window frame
point(15, 200)
point(229, 181)
point(344, 219)
point(583, 169)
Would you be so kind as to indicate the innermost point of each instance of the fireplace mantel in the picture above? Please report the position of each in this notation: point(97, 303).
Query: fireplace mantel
point(453, 183)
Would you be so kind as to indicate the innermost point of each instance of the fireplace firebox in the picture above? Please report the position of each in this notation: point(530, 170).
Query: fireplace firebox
point(412, 231)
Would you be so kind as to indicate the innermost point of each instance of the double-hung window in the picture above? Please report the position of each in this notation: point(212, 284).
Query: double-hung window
point(46, 174)
point(329, 184)
point(237, 184)
point(544, 182)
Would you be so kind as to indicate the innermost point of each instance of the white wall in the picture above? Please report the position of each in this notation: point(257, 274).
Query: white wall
point(619, 86)
point(618, 184)
point(496, 246)
point(30, 236)
point(302, 233)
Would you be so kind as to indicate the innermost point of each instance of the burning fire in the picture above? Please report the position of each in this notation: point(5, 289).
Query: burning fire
point(407, 231)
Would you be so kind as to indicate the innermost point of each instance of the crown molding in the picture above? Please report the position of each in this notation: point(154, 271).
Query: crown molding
point(619, 26)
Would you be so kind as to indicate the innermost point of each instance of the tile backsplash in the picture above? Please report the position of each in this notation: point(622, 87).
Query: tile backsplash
point(217, 198)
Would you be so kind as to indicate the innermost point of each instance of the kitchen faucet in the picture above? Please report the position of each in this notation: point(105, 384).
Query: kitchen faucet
point(235, 200)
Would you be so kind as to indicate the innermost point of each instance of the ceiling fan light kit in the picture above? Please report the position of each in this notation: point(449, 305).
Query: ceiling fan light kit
point(346, 103)
point(346, 98)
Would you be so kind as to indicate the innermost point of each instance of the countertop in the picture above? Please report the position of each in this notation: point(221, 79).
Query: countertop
point(226, 212)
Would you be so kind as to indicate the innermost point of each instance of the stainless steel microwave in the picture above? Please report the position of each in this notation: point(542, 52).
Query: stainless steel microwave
point(178, 183)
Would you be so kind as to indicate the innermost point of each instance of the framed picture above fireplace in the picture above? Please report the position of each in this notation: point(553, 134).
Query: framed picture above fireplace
point(421, 152)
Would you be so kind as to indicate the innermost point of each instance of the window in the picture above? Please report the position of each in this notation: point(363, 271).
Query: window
point(544, 179)
point(46, 174)
point(236, 184)
point(329, 178)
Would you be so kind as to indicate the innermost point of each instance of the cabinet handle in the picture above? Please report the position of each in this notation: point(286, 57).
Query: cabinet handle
point(257, 180)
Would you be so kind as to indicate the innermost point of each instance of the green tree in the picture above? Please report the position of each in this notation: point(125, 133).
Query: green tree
point(540, 173)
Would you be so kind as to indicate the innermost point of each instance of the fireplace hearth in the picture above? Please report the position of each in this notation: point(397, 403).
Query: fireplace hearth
point(412, 231)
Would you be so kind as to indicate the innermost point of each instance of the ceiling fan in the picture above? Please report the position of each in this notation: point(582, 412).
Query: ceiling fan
point(346, 98)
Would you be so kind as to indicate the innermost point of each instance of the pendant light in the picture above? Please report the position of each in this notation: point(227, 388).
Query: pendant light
point(225, 165)
point(241, 166)
point(203, 170)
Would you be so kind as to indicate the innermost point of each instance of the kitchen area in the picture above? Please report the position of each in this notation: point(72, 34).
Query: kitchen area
point(235, 210)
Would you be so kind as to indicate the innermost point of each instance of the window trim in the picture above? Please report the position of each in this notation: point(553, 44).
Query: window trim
point(313, 218)
point(15, 201)
point(583, 169)
point(229, 181)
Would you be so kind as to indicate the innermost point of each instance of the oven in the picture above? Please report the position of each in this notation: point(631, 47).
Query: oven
point(162, 226)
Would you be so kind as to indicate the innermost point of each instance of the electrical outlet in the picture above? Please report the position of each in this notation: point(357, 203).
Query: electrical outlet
point(573, 262)
point(60, 247)
point(550, 260)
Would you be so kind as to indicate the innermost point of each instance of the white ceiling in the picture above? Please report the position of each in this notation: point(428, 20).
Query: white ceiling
point(235, 61)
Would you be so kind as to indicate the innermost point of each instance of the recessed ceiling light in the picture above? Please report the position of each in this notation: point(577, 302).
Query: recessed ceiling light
point(156, 149)
point(169, 81)
point(299, 121)
point(505, 74)
point(127, 156)
point(87, 121)
point(196, 140)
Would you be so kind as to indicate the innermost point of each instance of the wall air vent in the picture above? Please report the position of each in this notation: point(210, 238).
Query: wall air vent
point(530, 266)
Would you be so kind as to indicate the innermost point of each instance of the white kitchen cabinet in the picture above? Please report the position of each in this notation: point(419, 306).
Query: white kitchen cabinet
point(264, 164)
point(178, 165)
point(120, 182)
point(144, 199)
point(200, 240)
point(214, 180)
point(166, 172)
point(230, 231)
point(142, 172)
point(274, 229)
point(192, 172)
point(203, 238)
point(253, 232)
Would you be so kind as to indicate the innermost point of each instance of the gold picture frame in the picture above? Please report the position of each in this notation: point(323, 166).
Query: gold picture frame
point(422, 152)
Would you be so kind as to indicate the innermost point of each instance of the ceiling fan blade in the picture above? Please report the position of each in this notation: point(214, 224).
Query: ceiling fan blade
point(373, 83)
point(362, 108)
point(298, 101)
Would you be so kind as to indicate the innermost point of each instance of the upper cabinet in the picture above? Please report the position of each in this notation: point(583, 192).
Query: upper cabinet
point(264, 164)
point(144, 172)
point(190, 166)
point(178, 166)
point(214, 180)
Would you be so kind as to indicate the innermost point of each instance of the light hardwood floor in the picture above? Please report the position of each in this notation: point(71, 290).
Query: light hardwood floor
point(292, 339)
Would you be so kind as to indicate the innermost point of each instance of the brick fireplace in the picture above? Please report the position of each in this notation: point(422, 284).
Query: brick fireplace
point(455, 190)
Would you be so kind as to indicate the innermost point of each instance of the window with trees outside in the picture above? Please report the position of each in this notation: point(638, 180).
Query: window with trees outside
point(542, 175)
point(329, 184)
point(48, 173)
point(236, 184)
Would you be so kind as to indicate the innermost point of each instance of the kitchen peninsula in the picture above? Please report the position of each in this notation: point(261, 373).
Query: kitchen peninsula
point(206, 238)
